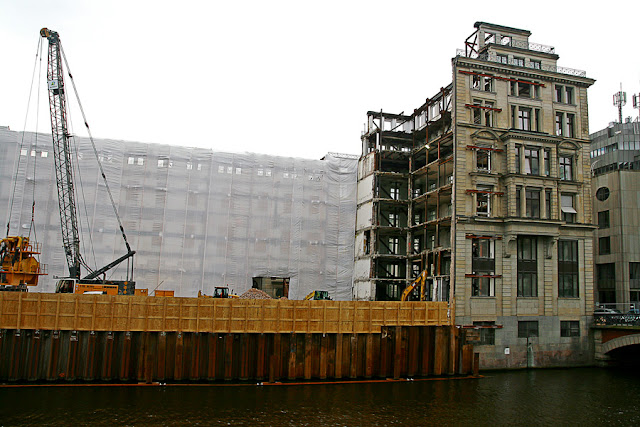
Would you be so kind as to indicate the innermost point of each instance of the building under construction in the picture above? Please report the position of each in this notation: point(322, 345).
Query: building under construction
point(486, 187)
point(197, 218)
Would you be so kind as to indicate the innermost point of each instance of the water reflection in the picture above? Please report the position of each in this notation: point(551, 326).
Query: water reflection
point(541, 397)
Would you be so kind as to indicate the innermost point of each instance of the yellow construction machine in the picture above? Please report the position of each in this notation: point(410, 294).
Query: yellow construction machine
point(318, 296)
point(18, 266)
point(421, 281)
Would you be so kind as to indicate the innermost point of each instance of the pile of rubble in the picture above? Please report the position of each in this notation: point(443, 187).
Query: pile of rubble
point(255, 294)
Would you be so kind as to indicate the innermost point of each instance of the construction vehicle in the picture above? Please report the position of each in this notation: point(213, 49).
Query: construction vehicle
point(318, 296)
point(219, 292)
point(66, 194)
point(421, 281)
point(19, 267)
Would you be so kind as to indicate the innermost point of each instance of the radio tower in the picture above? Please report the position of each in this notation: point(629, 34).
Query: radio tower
point(619, 100)
point(636, 103)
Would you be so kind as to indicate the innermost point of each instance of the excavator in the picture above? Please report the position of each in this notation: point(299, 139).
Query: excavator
point(421, 281)
point(74, 283)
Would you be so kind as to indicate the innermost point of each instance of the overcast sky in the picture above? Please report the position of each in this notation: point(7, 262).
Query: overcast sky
point(289, 78)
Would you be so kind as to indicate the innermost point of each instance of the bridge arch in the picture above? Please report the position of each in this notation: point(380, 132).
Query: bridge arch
point(620, 342)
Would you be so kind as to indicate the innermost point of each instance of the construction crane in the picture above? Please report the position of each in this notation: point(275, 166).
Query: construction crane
point(62, 155)
point(421, 281)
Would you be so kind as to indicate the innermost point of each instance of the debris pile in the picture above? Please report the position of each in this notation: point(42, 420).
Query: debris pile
point(255, 294)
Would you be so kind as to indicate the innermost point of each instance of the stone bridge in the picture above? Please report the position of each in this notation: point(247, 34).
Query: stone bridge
point(613, 332)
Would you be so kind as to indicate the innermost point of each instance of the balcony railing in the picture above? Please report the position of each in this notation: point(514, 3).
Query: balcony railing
point(492, 57)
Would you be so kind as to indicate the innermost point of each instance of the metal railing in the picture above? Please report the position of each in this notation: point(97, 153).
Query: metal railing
point(528, 46)
point(492, 57)
point(616, 319)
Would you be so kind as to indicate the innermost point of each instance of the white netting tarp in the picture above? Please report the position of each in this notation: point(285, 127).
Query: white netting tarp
point(197, 218)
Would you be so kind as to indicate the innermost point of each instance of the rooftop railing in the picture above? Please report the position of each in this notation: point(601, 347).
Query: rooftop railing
point(493, 57)
point(528, 46)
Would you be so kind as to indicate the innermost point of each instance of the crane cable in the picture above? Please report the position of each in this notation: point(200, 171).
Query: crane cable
point(115, 210)
point(21, 148)
point(35, 157)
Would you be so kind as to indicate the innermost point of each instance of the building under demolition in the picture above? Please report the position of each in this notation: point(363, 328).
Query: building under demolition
point(486, 186)
point(197, 218)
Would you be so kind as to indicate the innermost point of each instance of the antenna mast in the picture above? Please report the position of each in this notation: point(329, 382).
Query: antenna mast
point(619, 100)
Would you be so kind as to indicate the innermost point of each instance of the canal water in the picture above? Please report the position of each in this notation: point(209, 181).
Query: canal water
point(585, 396)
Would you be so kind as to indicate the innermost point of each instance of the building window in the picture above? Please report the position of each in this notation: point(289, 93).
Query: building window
point(367, 242)
point(566, 168)
point(524, 89)
point(531, 161)
point(394, 193)
point(394, 243)
point(569, 328)
point(393, 219)
point(527, 328)
point(606, 282)
point(547, 162)
point(483, 265)
point(482, 112)
point(602, 194)
point(483, 160)
point(477, 113)
point(634, 276)
point(603, 219)
point(487, 332)
point(518, 201)
point(518, 158)
point(483, 200)
point(417, 247)
point(484, 83)
point(524, 118)
point(571, 125)
point(568, 269)
point(131, 160)
point(532, 196)
point(527, 266)
point(569, 95)
point(488, 114)
point(604, 245)
point(417, 218)
point(547, 202)
point(567, 207)
point(518, 61)
point(502, 59)
point(536, 65)
point(557, 94)
point(559, 120)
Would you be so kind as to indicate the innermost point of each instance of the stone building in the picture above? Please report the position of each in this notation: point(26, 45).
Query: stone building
point(486, 186)
point(615, 153)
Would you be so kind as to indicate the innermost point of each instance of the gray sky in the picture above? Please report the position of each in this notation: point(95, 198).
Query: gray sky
point(289, 78)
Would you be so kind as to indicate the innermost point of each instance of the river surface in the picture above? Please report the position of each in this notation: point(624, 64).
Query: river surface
point(583, 396)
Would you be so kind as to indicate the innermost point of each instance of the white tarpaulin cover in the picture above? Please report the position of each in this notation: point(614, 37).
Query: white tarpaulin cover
point(197, 218)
